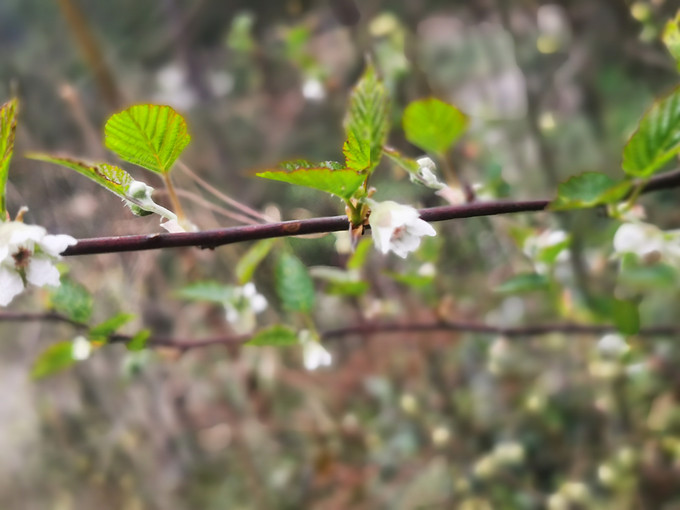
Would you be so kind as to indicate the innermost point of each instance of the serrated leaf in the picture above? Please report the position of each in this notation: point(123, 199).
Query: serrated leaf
point(207, 291)
point(151, 136)
point(657, 138)
point(671, 38)
point(367, 118)
point(626, 316)
point(525, 282)
point(139, 341)
point(588, 190)
point(278, 336)
point(342, 183)
point(72, 300)
point(8, 129)
point(248, 263)
point(294, 286)
point(433, 125)
point(101, 332)
point(299, 164)
point(357, 153)
point(111, 177)
point(55, 358)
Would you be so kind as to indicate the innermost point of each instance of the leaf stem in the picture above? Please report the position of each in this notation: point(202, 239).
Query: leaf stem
point(176, 205)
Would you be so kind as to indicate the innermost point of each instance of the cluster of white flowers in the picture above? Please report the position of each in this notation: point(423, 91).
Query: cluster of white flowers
point(397, 227)
point(242, 308)
point(27, 255)
point(648, 242)
point(314, 355)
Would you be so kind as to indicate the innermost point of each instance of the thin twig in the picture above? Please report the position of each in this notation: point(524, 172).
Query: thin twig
point(214, 238)
point(367, 329)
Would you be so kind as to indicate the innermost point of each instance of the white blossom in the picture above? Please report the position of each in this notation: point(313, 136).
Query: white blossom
point(313, 90)
point(538, 247)
point(397, 227)
point(27, 255)
point(426, 174)
point(241, 309)
point(314, 355)
point(612, 345)
point(81, 348)
point(648, 242)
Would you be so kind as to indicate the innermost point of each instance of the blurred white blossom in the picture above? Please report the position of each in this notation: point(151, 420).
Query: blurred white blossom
point(27, 255)
point(547, 248)
point(648, 242)
point(612, 345)
point(397, 227)
point(313, 90)
point(314, 354)
point(241, 309)
point(81, 348)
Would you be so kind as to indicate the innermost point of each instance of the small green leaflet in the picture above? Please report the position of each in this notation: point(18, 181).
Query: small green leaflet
point(408, 164)
point(626, 316)
point(8, 128)
point(294, 286)
point(433, 125)
point(111, 177)
point(101, 332)
point(276, 335)
point(657, 138)
point(151, 136)
point(248, 263)
point(73, 300)
point(357, 153)
point(322, 176)
point(139, 341)
point(367, 120)
point(671, 38)
point(525, 282)
point(207, 291)
point(55, 358)
point(588, 190)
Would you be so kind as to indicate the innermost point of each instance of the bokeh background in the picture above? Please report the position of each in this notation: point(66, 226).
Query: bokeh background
point(401, 420)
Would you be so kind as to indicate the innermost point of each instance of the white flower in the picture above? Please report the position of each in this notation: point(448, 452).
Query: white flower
point(27, 255)
point(314, 354)
point(426, 174)
point(245, 303)
point(541, 249)
point(397, 227)
point(612, 345)
point(509, 453)
point(313, 90)
point(648, 242)
point(81, 348)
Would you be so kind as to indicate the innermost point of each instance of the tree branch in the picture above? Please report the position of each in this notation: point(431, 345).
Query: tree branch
point(369, 329)
point(214, 238)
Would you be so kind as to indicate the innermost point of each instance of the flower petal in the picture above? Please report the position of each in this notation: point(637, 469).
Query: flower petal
point(41, 272)
point(10, 285)
point(55, 244)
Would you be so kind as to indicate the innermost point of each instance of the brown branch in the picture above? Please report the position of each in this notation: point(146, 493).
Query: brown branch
point(368, 329)
point(214, 238)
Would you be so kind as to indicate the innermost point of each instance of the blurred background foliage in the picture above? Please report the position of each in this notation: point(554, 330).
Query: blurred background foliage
point(405, 420)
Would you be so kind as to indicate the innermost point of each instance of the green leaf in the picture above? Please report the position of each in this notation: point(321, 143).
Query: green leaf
point(626, 316)
point(588, 190)
point(656, 140)
point(360, 255)
point(72, 300)
point(151, 136)
point(139, 341)
point(111, 177)
point(247, 264)
point(101, 332)
point(342, 183)
point(522, 283)
point(357, 153)
point(55, 358)
point(298, 164)
point(408, 164)
point(412, 280)
point(340, 282)
point(654, 277)
point(671, 38)
point(8, 129)
point(433, 125)
point(367, 118)
point(276, 335)
point(294, 286)
point(207, 291)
